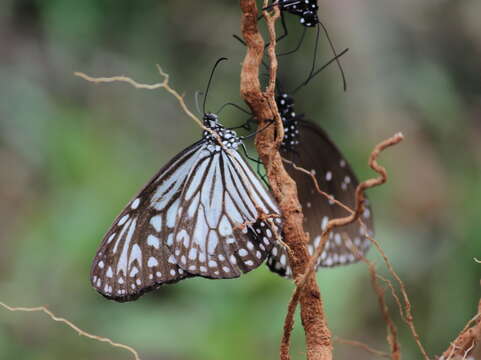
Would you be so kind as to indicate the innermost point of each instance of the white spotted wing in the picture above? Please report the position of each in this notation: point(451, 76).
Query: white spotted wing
point(317, 153)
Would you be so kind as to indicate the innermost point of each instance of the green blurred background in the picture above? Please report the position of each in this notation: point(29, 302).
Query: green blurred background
point(73, 153)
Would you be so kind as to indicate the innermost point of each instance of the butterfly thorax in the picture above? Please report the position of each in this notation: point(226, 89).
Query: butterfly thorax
point(228, 137)
point(305, 9)
point(285, 104)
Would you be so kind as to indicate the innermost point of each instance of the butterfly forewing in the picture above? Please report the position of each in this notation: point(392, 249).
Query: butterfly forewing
point(134, 256)
point(199, 216)
point(219, 233)
point(315, 152)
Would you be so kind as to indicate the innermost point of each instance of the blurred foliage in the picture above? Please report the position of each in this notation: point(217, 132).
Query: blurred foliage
point(73, 153)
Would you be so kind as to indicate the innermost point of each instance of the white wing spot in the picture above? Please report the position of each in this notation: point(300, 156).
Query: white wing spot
point(212, 242)
point(156, 222)
point(212, 263)
point(232, 259)
point(170, 239)
point(135, 204)
point(101, 264)
point(366, 213)
point(192, 253)
point(122, 220)
point(158, 274)
point(249, 263)
point(226, 269)
point(324, 222)
point(243, 252)
point(283, 259)
point(152, 262)
point(337, 238)
point(328, 176)
point(172, 272)
point(134, 271)
point(225, 228)
point(111, 237)
point(109, 272)
point(153, 241)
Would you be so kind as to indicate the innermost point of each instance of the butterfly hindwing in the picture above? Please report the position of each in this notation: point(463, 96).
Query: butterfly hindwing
point(219, 233)
point(315, 152)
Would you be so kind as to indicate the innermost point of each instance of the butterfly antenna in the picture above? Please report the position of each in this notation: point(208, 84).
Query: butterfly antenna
point(301, 40)
point(238, 107)
point(270, 122)
point(331, 44)
point(210, 80)
point(197, 104)
point(314, 58)
point(315, 73)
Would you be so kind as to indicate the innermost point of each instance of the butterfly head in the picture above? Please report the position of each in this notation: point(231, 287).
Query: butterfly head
point(228, 137)
point(211, 121)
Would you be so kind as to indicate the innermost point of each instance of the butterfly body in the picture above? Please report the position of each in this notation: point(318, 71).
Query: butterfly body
point(306, 10)
point(308, 146)
point(200, 215)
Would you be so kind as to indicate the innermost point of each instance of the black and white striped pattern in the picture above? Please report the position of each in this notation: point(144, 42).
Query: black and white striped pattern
point(198, 216)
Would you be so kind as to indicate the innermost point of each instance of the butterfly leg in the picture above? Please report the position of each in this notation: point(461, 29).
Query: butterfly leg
point(259, 163)
point(301, 40)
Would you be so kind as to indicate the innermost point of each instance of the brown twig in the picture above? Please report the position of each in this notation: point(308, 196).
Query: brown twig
point(361, 345)
point(164, 84)
point(406, 310)
point(73, 326)
point(467, 339)
point(263, 106)
point(391, 328)
point(360, 198)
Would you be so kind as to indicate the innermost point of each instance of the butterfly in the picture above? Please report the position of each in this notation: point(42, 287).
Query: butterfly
point(200, 215)
point(308, 146)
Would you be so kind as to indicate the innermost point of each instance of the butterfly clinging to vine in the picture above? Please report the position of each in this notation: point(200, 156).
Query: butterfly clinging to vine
point(307, 146)
point(205, 213)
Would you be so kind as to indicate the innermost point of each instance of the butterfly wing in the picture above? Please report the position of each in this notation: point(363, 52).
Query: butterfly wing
point(134, 256)
point(219, 233)
point(318, 154)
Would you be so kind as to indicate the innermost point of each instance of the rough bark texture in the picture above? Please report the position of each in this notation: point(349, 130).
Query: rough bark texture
point(263, 106)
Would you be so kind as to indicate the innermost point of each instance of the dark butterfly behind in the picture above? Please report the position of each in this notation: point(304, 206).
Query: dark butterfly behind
point(309, 147)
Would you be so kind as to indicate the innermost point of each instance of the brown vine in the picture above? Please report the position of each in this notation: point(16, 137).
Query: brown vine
point(263, 105)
